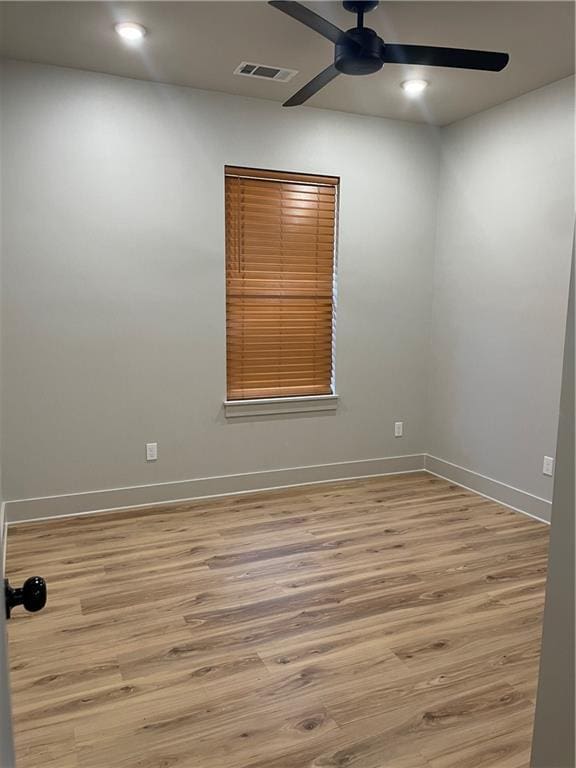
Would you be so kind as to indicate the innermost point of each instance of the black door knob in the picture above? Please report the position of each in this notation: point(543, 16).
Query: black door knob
point(32, 595)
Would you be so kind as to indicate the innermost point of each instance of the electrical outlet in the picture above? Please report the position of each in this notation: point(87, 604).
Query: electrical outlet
point(398, 428)
point(151, 451)
point(548, 466)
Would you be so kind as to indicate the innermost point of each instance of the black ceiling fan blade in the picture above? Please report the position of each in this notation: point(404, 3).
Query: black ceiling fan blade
point(309, 18)
point(431, 56)
point(318, 82)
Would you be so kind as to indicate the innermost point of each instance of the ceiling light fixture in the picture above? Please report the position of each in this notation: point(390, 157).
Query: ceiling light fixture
point(414, 87)
point(129, 30)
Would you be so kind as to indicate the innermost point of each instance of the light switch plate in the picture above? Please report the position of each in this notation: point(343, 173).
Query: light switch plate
point(151, 451)
point(548, 466)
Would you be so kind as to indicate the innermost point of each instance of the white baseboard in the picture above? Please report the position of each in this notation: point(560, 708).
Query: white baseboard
point(21, 510)
point(520, 501)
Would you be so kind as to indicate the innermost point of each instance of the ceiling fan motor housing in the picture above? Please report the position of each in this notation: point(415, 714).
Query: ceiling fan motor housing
point(359, 52)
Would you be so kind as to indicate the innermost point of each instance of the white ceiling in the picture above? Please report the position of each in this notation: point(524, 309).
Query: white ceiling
point(200, 44)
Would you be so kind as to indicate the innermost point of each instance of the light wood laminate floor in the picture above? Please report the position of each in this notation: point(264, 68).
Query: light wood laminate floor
point(384, 623)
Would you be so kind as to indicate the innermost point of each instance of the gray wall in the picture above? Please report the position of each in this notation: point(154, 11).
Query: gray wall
point(114, 283)
point(114, 310)
point(505, 226)
point(553, 745)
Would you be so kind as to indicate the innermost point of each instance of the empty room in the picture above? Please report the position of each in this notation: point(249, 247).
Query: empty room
point(287, 384)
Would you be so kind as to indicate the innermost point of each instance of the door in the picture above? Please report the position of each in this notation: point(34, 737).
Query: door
point(32, 596)
point(6, 742)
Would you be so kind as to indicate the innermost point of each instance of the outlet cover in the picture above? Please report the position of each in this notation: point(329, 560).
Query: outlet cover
point(151, 451)
point(548, 466)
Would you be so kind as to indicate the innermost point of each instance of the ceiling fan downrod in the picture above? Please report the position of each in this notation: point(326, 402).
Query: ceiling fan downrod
point(360, 7)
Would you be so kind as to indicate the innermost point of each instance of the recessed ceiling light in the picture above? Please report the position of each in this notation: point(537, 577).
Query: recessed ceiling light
point(129, 30)
point(414, 87)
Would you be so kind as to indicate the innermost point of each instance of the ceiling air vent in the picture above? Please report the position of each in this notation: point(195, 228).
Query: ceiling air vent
point(265, 72)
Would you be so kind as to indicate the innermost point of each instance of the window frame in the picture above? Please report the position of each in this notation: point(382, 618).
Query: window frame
point(287, 404)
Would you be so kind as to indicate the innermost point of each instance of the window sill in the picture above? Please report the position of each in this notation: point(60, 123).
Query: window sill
point(279, 405)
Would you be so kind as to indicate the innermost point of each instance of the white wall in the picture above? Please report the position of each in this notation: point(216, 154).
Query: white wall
point(114, 319)
point(505, 227)
point(114, 316)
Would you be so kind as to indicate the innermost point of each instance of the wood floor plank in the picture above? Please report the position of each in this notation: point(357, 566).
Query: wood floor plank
point(391, 622)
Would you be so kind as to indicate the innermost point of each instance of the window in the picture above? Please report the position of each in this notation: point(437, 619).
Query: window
point(280, 272)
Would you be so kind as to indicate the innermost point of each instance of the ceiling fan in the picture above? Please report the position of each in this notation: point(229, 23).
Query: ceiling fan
point(360, 51)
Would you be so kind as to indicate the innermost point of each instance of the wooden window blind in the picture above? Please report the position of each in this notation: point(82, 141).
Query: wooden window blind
point(280, 270)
